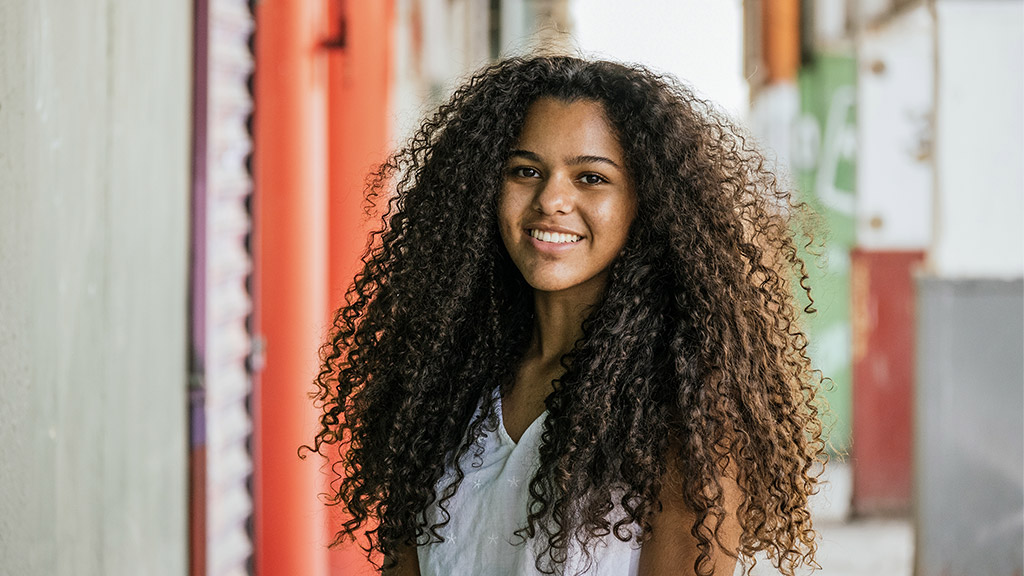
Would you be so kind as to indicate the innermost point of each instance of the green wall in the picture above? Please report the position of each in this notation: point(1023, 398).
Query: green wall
point(94, 187)
point(823, 164)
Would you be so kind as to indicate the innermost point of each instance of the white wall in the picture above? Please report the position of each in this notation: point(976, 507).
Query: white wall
point(94, 193)
point(895, 92)
point(979, 220)
point(831, 21)
point(698, 41)
point(437, 43)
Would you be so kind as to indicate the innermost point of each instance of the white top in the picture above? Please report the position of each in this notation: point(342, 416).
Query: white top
point(491, 504)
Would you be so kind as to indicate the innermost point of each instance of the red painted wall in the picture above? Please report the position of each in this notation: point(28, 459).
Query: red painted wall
point(883, 322)
point(358, 124)
point(321, 124)
point(291, 196)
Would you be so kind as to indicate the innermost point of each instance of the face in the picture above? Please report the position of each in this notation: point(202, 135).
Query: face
point(566, 201)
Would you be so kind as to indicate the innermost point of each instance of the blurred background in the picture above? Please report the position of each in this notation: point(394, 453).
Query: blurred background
point(180, 211)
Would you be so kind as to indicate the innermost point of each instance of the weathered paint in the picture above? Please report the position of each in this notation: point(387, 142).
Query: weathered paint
point(969, 452)
point(882, 287)
point(895, 106)
point(94, 194)
point(823, 157)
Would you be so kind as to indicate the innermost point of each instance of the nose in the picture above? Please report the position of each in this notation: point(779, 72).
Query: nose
point(554, 196)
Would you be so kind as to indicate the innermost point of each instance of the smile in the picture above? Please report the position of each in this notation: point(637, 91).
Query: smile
point(554, 237)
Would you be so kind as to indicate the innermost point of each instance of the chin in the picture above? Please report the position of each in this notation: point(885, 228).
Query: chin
point(547, 284)
point(550, 287)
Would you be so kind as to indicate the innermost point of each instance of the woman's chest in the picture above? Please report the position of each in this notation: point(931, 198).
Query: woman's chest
point(521, 406)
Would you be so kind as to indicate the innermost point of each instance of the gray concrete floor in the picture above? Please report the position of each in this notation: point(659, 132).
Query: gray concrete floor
point(867, 547)
point(875, 547)
point(859, 547)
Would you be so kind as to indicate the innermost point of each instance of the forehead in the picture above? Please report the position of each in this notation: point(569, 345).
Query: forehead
point(576, 127)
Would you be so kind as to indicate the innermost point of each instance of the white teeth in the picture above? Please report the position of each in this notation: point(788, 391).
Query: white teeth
point(555, 237)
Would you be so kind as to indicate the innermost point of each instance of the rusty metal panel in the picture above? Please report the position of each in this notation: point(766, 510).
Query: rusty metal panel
point(883, 319)
point(969, 430)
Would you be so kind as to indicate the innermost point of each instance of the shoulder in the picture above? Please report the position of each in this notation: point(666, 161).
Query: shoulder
point(671, 543)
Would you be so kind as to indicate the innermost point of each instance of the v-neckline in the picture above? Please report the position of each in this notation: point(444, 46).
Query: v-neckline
point(501, 422)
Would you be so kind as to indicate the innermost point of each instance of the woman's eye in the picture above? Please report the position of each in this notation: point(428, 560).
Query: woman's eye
point(525, 172)
point(592, 179)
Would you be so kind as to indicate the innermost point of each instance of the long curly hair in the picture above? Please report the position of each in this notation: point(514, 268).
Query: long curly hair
point(694, 357)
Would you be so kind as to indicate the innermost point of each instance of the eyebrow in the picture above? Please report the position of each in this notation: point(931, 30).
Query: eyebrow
point(573, 161)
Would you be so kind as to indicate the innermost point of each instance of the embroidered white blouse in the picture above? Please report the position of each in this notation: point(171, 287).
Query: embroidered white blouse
point(491, 504)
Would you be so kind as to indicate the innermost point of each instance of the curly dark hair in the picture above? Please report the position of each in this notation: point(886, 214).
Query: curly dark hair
point(694, 356)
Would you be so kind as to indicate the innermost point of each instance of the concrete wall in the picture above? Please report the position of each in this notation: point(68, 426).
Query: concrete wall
point(970, 436)
point(969, 455)
point(94, 184)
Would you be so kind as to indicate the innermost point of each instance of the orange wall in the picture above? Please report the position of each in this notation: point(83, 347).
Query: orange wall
point(290, 139)
point(321, 124)
point(359, 131)
point(780, 21)
point(358, 123)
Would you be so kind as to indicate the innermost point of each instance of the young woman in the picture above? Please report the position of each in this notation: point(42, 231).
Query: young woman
point(573, 347)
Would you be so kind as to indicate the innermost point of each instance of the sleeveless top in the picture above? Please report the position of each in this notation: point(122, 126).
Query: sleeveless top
point(491, 504)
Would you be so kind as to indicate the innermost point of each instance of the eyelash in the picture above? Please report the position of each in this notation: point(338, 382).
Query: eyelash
point(519, 172)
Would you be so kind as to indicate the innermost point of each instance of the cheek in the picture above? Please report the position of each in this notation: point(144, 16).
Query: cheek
point(618, 217)
point(510, 205)
point(629, 215)
point(507, 216)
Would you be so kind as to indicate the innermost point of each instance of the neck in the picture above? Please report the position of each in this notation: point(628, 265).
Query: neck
point(558, 321)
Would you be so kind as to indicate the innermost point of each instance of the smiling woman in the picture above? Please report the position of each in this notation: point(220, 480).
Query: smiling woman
point(573, 347)
point(566, 202)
